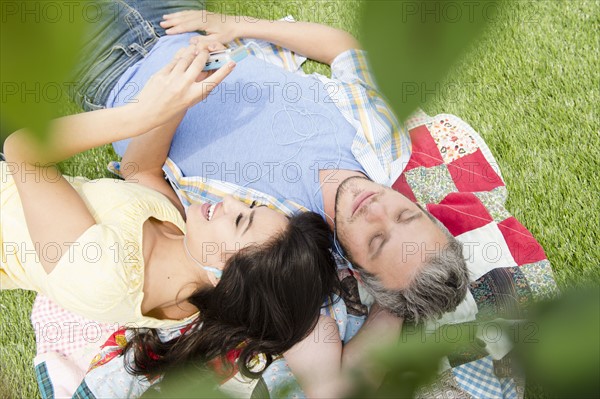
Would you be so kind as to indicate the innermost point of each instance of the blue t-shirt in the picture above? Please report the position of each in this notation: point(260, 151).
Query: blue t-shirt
point(264, 127)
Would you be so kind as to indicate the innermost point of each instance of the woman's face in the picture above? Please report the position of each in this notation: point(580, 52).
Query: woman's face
point(216, 232)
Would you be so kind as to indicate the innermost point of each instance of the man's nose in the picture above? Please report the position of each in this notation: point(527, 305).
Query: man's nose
point(375, 212)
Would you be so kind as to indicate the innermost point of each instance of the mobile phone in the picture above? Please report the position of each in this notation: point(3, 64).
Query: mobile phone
point(219, 58)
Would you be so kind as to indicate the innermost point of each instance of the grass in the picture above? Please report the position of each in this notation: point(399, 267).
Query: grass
point(529, 87)
point(531, 90)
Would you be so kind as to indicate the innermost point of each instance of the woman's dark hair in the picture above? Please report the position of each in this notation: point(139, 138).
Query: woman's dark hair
point(269, 298)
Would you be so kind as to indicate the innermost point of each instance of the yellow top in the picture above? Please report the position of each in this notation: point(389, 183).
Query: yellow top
point(101, 276)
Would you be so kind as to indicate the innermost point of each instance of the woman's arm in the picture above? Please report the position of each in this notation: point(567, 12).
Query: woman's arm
point(55, 214)
point(166, 96)
point(146, 154)
point(318, 42)
point(70, 135)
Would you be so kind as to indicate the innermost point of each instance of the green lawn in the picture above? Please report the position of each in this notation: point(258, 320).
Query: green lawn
point(528, 87)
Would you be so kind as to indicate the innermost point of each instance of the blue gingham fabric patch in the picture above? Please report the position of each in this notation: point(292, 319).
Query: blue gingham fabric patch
point(479, 380)
point(44, 382)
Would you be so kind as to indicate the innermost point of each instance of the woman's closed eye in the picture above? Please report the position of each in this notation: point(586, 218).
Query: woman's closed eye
point(239, 218)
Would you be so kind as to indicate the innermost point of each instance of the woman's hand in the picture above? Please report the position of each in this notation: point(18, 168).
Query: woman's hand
point(178, 86)
point(218, 27)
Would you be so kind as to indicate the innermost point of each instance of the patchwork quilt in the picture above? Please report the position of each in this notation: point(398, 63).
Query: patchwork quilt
point(453, 173)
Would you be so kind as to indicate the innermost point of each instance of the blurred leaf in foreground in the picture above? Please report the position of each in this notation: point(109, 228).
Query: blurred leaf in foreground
point(188, 382)
point(414, 361)
point(39, 42)
point(413, 44)
point(564, 356)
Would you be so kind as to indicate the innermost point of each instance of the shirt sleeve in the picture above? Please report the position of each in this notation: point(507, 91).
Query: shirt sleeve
point(352, 66)
point(382, 145)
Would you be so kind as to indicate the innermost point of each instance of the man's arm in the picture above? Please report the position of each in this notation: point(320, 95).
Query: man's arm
point(318, 42)
point(380, 329)
point(315, 41)
point(326, 370)
point(316, 361)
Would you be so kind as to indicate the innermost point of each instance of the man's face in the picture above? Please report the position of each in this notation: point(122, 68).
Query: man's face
point(384, 232)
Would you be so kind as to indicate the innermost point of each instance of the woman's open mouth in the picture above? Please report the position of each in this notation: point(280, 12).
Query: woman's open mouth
point(208, 210)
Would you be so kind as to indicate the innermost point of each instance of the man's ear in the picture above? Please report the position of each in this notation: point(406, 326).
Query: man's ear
point(356, 276)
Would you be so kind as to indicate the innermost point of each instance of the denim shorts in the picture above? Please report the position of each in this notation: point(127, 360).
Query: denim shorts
point(120, 33)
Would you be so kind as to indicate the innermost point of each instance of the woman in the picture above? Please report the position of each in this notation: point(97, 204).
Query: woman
point(126, 252)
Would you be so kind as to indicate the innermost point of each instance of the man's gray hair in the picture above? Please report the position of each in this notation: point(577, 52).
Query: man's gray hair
point(438, 287)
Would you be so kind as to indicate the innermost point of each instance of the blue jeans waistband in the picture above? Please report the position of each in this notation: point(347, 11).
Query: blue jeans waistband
point(122, 34)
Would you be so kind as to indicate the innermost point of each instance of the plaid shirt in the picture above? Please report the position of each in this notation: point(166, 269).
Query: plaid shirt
point(381, 145)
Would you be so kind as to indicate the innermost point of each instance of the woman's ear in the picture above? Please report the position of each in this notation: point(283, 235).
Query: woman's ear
point(220, 264)
point(212, 278)
point(225, 256)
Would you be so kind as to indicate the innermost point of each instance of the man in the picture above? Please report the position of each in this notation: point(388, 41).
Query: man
point(294, 141)
point(405, 257)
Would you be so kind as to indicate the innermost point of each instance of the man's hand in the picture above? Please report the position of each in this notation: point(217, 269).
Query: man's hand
point(178, 86)
point(218, 27)
point(202, 42)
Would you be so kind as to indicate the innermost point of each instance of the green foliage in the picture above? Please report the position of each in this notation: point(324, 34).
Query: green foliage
point(39, 42)
point(564, 356)
point(557, 348)
point(412, 44)
point(529, 86)
point(413, 362)
point(189, 382)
